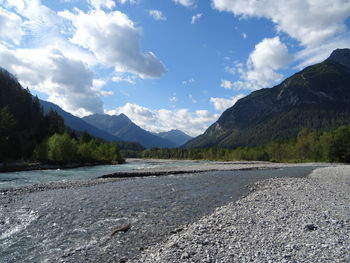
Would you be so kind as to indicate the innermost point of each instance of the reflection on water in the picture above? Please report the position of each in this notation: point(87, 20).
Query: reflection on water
point(75, 225)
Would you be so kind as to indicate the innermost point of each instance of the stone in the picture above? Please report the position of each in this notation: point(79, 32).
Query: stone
point(310, 227)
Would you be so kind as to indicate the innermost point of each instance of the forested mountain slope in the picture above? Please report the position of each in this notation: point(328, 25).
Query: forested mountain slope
point(317, 98)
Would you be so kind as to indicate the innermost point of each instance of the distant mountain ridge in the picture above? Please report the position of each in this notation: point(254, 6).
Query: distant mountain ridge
point(176, 136)
point(122, 127)
point(317, 97)
point(77, 123)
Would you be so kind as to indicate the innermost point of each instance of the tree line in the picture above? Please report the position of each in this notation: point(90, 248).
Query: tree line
point(308, 146)
point(26, 133)
point(63, 148)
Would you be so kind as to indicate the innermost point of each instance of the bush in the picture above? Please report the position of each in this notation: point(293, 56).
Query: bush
point(62, 148)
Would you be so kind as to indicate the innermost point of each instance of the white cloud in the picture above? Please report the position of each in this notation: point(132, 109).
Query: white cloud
point(309, 21)
point(226, 84)
point(157, 15)
point(268, 56)
point(317, 54)
point(318, 25)
point(127, 1)
point(39, 21)
point(244, 35)
point(193, 123)
point(186, 3)
point(115, 41)
point(128, 79)
point(237, 68)
point(231, 70)
point(195, 18)
point(173, 99)
point(270, 52)
point(221, 104)
point(98, 4)
point(68, 82)
point(193, 100)
point(189, 81)
point(10, 26)
point(63, 69)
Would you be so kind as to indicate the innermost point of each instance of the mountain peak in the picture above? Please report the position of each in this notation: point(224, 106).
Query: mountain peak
point(123, 116)
point(316, 98)
point(122, 127)
point(176, 136)
point(342, 56)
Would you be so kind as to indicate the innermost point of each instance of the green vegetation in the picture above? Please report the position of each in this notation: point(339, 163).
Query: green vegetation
point(22, 122)
point(62, 148)
point(316, 98)
point(130, 149)
point(331, 146)
point(27, 134)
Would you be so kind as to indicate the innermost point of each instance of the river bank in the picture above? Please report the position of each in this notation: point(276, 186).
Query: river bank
point(30, 166)
point(70, 221)
point(206, 166)
point(282, 220)
point(51, 177)
point(202, 166)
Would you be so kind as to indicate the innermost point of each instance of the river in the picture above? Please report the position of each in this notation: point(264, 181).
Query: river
point(23, 178)
point(75, 224)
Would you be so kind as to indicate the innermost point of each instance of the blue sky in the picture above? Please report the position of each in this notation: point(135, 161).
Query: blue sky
point(164, 63)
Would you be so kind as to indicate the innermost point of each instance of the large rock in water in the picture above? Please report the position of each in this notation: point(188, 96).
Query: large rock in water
point(317, 97)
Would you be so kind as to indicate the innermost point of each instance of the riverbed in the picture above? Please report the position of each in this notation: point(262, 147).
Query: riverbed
point(64, 224)
point(284, 220)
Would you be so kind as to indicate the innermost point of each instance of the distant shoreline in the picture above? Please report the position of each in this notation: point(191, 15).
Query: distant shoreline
point(27, 166)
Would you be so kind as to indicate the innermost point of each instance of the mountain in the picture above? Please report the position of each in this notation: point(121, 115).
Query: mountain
point(176, 136)
point(77, 123)
point(122, 127)
point(317, 97)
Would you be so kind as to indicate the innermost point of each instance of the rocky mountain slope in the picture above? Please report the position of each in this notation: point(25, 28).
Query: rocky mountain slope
point(317, 97)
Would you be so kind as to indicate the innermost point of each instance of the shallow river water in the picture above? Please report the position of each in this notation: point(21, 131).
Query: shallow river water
point(16, 179)
point(75, 225)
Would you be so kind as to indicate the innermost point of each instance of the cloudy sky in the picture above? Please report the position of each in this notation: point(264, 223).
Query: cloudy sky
point(164, 63)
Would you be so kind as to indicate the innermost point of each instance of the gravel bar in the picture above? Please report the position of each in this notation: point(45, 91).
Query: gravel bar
point(210, 167)
point(290, 220)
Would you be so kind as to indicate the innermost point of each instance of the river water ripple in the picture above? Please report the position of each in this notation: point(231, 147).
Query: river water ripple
point(75, 225)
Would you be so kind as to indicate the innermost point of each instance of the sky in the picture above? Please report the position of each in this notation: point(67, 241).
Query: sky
point(166, 64)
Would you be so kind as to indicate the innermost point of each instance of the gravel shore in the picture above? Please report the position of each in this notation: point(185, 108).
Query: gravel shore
point(156, 171)
point(290, 220)
point(204, 167)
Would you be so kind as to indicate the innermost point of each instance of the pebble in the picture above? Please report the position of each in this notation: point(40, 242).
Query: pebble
point(284, 220)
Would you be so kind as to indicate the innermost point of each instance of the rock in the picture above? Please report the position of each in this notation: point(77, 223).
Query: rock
point(310, 227)
point(176, 231)
point(124, 229)
point(185, 255)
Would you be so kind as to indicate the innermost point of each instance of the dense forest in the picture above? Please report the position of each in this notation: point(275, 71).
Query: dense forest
point(26, 133)
point(330, 146)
